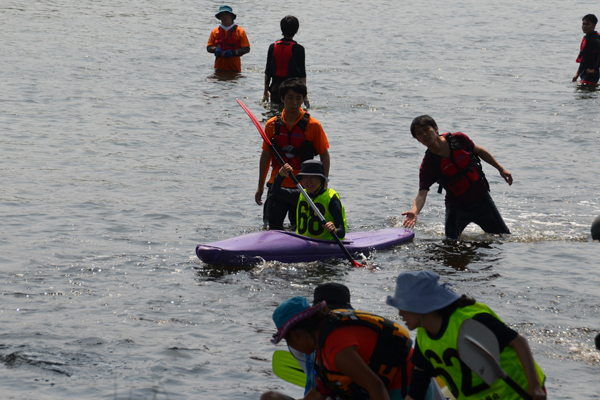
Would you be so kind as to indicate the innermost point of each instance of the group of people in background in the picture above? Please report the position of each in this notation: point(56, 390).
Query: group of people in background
point(350, 354)
point(452, 160)
point(286, 58)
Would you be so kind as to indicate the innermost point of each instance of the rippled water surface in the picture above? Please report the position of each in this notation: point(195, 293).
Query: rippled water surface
point(121, 150)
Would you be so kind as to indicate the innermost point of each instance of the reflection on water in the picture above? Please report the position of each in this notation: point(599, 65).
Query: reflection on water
point(306, 273)
point(587, 88)
point(271, 110)
point(586, 92)
point(221, 75)
point(458, 255)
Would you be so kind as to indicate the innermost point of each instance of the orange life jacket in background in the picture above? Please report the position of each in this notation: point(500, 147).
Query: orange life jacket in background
point(227, 40)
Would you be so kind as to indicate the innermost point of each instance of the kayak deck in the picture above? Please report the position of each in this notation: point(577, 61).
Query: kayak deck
point(289, 247)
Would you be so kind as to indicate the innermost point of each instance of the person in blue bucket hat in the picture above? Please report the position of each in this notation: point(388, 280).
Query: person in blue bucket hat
point(336, 296)
point(359, 355)
point(228, 42)
point(437, 313)
point(226, 9)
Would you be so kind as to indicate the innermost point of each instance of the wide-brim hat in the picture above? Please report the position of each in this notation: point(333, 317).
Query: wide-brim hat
point(290, 312)
point(312, 168)
point(335, 295)
point(420, 292)
point(223, 9)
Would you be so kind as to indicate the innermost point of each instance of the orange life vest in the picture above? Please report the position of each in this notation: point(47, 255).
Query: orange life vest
point(227, 40)
point(303, 149)
point(389, 356)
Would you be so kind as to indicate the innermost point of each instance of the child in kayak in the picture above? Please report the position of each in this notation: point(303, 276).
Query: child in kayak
point(312, 176)
point(438, 313)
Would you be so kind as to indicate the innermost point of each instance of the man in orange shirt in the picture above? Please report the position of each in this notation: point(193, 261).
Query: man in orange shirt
point(228, 42)
point(298, 137)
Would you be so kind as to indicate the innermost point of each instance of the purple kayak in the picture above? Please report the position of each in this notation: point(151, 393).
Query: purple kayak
point(288, 247)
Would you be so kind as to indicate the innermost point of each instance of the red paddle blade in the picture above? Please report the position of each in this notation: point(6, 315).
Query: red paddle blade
point(357, 265)
point(256, 123)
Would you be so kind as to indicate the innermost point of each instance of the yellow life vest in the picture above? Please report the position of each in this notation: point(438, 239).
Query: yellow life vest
point(460, 379)
point(307, 222)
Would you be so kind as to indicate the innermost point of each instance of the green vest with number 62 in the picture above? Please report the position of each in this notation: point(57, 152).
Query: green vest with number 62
point(307, 222)
point(462, 382)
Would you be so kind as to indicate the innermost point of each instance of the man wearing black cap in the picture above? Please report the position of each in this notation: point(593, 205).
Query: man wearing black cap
point(337, 296)
point(228, 42)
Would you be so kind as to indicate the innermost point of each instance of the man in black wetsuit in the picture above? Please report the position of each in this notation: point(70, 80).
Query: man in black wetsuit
point(589, 53)
point(285, 59)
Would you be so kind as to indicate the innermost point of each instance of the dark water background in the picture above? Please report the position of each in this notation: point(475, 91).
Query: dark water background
point(121, 150)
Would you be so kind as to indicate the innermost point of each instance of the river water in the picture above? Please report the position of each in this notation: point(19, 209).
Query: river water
point(121, 150)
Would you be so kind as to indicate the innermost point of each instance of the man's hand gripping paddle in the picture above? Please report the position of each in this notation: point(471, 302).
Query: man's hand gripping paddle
point(298, 185)
point(478, 349)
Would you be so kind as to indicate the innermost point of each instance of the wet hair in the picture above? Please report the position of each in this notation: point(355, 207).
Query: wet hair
point(295, 84)
point(422, 121)
point(591, 18)
point(289, 26)
point(463, 301)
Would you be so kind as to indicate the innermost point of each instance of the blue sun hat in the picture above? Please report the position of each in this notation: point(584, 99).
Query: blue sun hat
point(420, 292)
point(290, 312)
point(223, 9)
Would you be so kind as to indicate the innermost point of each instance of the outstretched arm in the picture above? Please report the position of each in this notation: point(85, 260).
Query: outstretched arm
point(521, 347)
point(418, 203)
point(488, 158)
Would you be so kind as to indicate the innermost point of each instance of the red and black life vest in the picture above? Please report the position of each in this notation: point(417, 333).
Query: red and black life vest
point(303, 149)
point(227, 40)
point(460, 170)
point(282, 53)
point(389, 355)
point(583, 43)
